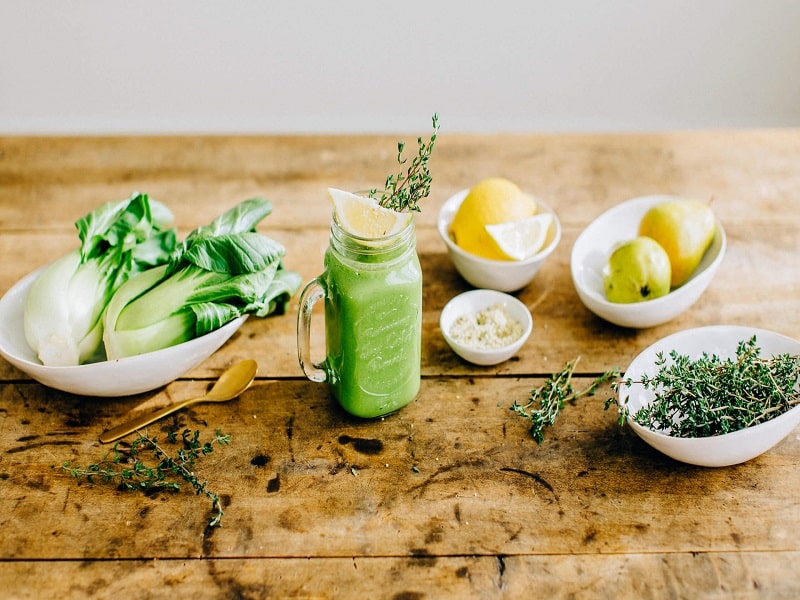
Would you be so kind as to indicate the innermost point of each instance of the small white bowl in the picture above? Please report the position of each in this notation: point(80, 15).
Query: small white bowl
point(501, 275)
point(470, 303)
point(593, 247)
point(721, 450)
point(121, 377)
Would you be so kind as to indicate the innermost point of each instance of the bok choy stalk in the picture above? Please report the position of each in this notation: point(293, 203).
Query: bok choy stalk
point(63, 310)
point(219, 272)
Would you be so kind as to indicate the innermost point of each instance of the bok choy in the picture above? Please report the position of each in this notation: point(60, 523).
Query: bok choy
point(219, 272)
point(64, 307)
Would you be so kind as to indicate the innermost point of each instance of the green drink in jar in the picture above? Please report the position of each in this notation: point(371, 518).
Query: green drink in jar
point(372, 293)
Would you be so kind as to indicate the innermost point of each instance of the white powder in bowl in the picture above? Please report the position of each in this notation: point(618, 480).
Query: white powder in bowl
point(489, 328)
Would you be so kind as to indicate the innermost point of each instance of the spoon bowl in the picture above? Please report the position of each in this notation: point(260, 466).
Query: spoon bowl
point(233, 381)
point(230, 384)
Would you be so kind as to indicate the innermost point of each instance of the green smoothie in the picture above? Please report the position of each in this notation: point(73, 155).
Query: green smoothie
point(372, 291)
point(373, 321)
point(373, 324)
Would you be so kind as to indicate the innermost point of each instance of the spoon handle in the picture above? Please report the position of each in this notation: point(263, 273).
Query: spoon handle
point(119, 431)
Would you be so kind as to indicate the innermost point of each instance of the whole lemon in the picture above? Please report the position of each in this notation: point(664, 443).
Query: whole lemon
point(489, 202)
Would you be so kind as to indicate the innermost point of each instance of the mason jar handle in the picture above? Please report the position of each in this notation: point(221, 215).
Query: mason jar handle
point(309, 296)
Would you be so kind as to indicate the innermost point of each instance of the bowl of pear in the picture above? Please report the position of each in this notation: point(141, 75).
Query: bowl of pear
point(688, 232)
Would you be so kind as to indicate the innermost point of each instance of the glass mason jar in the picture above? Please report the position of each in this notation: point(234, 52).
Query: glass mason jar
point(372, 291)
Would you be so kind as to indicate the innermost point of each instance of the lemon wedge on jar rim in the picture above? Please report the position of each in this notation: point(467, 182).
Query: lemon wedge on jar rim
point(521, 239)
point(363, 217)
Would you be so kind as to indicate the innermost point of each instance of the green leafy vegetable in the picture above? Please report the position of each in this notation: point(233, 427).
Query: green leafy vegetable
point(64, 306)
point(221, 271)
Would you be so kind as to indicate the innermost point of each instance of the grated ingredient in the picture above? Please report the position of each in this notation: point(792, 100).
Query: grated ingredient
point(489, 328)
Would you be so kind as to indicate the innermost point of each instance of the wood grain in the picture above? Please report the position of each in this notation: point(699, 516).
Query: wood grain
point(449, 497)
point(745, 575)
point(318, 482)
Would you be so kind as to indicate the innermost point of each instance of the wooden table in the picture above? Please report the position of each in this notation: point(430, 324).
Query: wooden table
point(450, 496)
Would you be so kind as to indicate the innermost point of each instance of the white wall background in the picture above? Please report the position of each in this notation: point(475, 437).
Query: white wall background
point(247, 66)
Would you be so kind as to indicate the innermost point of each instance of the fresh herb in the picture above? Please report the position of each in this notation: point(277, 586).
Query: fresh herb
point(546, 402)
point(403, 191)
point(127, 469)
point(710, 396)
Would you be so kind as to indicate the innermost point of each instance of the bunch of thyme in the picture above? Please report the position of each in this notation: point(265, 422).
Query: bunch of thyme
point(710, 396)
point(129, 472)
point(546, 402)
point(403, 191)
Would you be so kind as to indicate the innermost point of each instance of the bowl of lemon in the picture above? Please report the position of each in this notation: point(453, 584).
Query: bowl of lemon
point(497, 236)
point(647, 260)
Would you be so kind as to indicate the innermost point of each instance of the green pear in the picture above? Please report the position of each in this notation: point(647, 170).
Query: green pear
point(637, 270)
point(685, 229)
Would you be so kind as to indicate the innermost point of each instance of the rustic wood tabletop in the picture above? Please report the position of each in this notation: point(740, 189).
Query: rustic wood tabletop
point(450, 496)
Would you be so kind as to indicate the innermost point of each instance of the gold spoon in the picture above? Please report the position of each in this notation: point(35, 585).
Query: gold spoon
point(231, 383)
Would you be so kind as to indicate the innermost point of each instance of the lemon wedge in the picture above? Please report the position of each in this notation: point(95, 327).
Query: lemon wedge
point(521, 239)
point(364, 217)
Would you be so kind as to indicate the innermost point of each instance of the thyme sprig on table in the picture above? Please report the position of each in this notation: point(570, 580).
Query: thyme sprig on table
point(403, 191)
point(545, 403)
point(127, 469)
point(710, 396)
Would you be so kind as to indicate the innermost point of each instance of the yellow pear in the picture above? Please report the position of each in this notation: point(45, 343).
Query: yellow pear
point(685, 229)
point(637, 270)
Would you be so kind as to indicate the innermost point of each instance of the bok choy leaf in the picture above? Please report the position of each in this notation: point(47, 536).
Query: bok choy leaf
point(64, 307)
point(219, 272)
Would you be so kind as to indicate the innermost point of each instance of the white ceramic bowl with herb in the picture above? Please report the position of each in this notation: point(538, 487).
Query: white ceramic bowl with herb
point(500, 275)
point(108, 378)
point(593, 247)
point(471, 303)
point(717, 450)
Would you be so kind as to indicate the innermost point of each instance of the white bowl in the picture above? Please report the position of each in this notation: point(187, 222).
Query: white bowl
point(721, 450)
point(121, 377)
point(593, 247)
point(470, 303)
point(501, 275)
